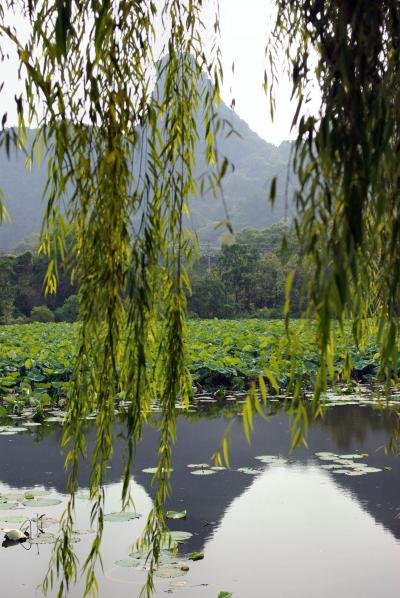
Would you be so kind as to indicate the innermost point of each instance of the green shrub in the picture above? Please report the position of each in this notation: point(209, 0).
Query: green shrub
point(42, 313)
point(69, 312)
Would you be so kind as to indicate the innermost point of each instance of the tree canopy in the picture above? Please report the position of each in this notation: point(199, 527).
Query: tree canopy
point(90, 67)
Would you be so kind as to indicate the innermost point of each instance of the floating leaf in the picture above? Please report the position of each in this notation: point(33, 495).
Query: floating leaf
point(42, 502)
point(167, 558)
point(129, 563)
point(325, 455)
point(169, 572)
point(83, 496)
point(198, 465)
point(12, 519)
point(176, 514)
point(225, 595)
point(176, 585)
point(11, 430)
point(43, 539)
point(203, 472)
point(46, 521)
point(271, 459)
point(5, 506)
point(12, 496)
point(179, 536)
point(331, 466)
point(249, 470)
point(196, 556)
point(356, 456)
point(122, 516)
point(154, 470)
point(37, 492)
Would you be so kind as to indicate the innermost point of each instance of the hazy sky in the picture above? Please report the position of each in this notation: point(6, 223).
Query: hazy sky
point(244, 31)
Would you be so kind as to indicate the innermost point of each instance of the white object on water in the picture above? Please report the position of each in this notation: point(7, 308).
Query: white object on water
point(16, 535)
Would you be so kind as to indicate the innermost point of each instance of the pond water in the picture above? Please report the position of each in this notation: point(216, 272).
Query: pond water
point(291, 528)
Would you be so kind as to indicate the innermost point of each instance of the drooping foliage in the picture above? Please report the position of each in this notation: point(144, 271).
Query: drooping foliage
point(345, 157)
point(90, 69)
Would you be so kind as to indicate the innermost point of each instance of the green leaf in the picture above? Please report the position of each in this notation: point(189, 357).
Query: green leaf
point(196, 556)
point(123, 516)
point(176, 514)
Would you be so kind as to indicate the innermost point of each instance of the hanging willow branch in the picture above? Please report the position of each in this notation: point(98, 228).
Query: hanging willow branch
point(121, 173)
point(346, 160)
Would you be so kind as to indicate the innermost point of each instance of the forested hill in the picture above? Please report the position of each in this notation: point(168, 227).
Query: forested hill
point(246, 189)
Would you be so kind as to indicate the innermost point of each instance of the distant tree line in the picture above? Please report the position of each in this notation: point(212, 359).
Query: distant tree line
point(22, 295)
point(247, 277)
point(243, 278)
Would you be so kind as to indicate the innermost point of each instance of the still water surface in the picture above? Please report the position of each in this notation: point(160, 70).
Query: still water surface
point(294, 529)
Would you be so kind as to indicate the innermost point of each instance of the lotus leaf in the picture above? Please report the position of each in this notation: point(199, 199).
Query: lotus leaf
point(249, 470)
point(129, 563)
point(196, 556)
point(176, 514)
point(42, 502)
point(122, 516)
point(169, 572)
point(43, 539)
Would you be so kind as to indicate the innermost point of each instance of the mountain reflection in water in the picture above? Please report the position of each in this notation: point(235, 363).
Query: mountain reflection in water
point(292, 530)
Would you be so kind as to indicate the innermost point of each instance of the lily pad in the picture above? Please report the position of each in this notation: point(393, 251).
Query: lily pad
point(129, 563)
point(249, 470)
point(176, 514)
point(271, 459)
point(41, 502)
point(332, 466)
point(225, 595)
point(43, 539)
point(169, 572)
point(356, 456)
point(9, 430)
point(46, 521)
point(12, 519)
point(176, 585)
point(8, 506)
point(370, 469)
point(154, 470)
point(37, 492)
point(198, 465)
point(168, 558)
point(13, 496)
point(196, 556)
point(122, 516)
point(325, 456)
point(83, 496)
point(179, 536)
point(203, 472)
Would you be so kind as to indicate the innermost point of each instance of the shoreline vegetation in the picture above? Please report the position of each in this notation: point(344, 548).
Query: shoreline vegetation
point(36, 360)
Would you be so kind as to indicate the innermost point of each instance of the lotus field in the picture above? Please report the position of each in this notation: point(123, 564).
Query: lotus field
point(36, 360)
